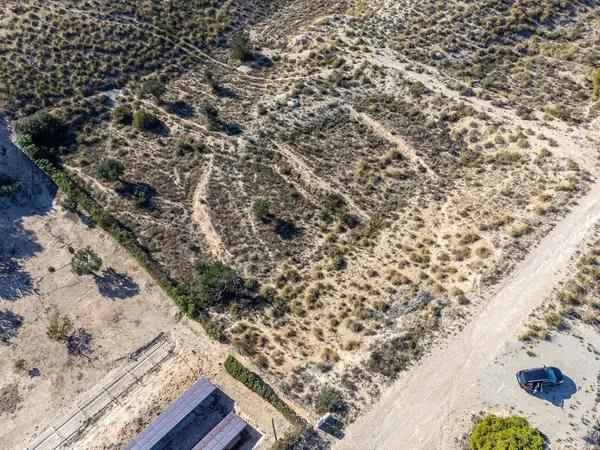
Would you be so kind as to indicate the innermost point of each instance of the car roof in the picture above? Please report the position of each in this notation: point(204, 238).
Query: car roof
point(539, 374)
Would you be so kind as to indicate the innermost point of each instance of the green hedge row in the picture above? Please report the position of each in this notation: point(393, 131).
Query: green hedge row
point(108, 223)
point(256, 384)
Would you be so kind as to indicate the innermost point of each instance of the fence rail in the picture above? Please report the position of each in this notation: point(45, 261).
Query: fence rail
point(102, 395)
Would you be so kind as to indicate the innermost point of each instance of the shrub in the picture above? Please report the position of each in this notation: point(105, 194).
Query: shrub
point(215, 284)
point(256, 384)
point(144, 120)
point(45, 129)
point(8, 187)
point(520, 230)
point(59, 328)
point(240, 46)
point(141, 198)
point(393, 356)
point(596, 84)
point(554, 320)
point(209, 77)
point(85, 262)
point(154, 88)
point(326, 399)
point(110, 170)
point(260, 209)
point(494, 432)
point(122, 115)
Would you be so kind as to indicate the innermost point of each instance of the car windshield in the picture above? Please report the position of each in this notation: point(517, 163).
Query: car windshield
point(541, 374)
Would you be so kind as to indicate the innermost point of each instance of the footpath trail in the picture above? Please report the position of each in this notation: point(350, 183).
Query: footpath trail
point(426, 406)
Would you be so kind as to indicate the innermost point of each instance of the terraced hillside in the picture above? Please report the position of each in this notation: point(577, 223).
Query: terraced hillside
point(369, 169)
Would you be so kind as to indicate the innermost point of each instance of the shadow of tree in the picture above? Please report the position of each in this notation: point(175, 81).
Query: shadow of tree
point(114, 285)
point(9, 325)
point(15, 282)
point(35, 198)
point(287, 229)
point(79, 344)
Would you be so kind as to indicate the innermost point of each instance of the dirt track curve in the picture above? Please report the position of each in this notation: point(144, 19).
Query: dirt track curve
point(425, 408)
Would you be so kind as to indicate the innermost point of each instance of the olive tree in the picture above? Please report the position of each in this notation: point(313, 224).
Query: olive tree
point(85, 262)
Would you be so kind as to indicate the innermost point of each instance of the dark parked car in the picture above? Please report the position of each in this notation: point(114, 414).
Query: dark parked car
point(535, 379)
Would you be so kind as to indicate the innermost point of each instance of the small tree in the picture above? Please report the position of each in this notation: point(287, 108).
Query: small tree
point(212, 115)
point(154, 88)
point(596, 83)
point(241, 47)
point(216, 283)
point(85, 262)
point(326, 399)
point(260, 209)
point(44, 128)
point(59, 328)
point(144, 120)
point(110, 170)
point(505, 432)
point(122, 115)
point(209, 77)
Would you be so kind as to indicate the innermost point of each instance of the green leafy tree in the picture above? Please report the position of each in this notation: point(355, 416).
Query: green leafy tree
point(122, 115)
point(596, 83)
point(216, 284)
point(260, 209)
point(85, 262)
point(45, 129)
point(144, 120)
point(110, 170)
point(241, 46)
point(154, 88)
point(511, 433)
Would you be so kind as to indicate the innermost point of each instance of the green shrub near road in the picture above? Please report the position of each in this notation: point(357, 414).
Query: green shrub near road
point(505, 433)
point(257, 385)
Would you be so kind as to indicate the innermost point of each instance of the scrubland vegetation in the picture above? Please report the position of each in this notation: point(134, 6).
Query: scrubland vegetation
point(576, 300)
point(328, 192)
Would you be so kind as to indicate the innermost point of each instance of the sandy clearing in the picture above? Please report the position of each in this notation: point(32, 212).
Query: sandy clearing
point(424, 408)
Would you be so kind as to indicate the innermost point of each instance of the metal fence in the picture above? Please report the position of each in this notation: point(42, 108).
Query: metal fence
point(102, 395)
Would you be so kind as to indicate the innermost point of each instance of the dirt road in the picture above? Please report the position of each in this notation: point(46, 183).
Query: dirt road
point(426, 408)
